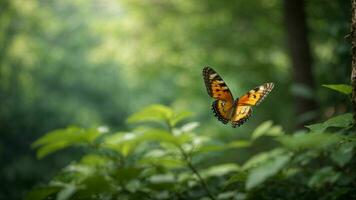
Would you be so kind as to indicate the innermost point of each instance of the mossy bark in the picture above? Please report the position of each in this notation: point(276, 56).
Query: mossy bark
point(353, 65)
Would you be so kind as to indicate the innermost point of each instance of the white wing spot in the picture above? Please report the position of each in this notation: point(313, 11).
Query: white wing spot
point(212, 76)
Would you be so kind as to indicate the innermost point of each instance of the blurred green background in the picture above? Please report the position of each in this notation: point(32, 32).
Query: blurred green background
point(92, 63)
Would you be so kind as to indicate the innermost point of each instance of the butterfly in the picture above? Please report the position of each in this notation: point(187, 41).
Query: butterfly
point(225, 107)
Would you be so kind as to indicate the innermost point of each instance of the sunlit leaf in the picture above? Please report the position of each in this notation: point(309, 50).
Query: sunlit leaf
point(262, 157)
point(79, 169)
point(167, 162)
point(153, 113)
point(162, 181)
point(176, 118)
point(220, 170)
point(238, 144)
point(261, 129)
point(267, 129)
point(62, 138)
point(340, 121)
point(94, 160)
point(342, 88)
point(51, 148)
point(162, 158)
point(164, 136)
point(189, 126)
point(267, 169)
point(66, 192)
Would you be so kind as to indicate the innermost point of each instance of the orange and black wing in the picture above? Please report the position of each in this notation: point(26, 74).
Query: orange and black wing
point(241, 115)
point(218, 89)
point(256, 96)
point(244, 103)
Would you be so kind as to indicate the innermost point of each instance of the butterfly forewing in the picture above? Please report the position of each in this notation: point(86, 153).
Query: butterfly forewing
point(216, 86)
point(218, 89)
point(257, 95)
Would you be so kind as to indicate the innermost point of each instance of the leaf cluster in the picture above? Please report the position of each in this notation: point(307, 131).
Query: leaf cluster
point(164, 158)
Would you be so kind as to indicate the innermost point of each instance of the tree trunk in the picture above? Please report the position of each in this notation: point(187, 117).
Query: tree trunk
point(353, 65)
point(298, 44)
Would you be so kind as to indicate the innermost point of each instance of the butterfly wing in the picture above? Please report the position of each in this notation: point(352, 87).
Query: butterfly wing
point(221, 111)
point(257, 95)
point(218, 89)
point(241, 115)
point(253, 97)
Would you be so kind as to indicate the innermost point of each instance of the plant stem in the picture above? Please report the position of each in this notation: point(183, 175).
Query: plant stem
point(190, 165)
point(195, 171)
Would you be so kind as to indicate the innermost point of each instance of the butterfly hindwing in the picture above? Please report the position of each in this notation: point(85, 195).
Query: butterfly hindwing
point(220, 111)
point(241, 115)
point(256, 96)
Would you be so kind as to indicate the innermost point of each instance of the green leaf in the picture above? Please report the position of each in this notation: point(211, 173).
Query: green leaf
point(153, 113)
point(162, 182)
point(66, 192)
point(340, 121)
point(220, 170)
point(63, 138)
point(51, 148)
point(238, 144)
point(262, 157)
point(309, 140)
point(343, 154)
point(164, 136)
point(342, 88)
point(221, 147)
point(41, 193)
point(162, 158)
point(188, 127)
point(267, 129)
point(179, 117)
point(94, 160)
point(259, 174)
point(238, 177)
point(123, 143)
point(323, 176)
point(227, 195)
point(92, 185)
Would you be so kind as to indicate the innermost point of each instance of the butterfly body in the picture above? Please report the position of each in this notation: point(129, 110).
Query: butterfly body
point(225, 107)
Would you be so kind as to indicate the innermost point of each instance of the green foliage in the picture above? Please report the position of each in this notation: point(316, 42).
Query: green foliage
point(341, 121)
point(147, 162)
point(259, 174)
point(87, 63)
point(63, 138)
point(342, 88)
point(167, 159)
